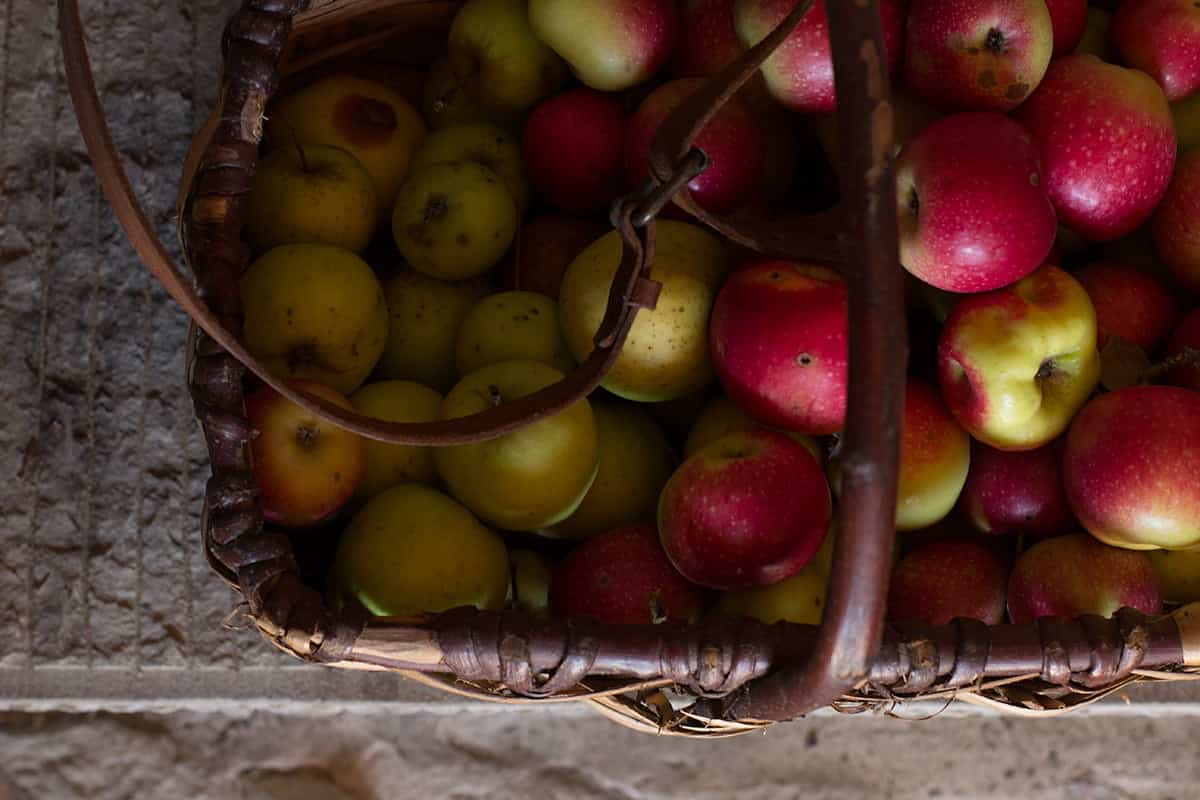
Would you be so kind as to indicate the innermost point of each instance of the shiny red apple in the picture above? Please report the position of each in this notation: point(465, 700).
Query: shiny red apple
point(1017, 492)
point(1161, 38)
point(1129, 303)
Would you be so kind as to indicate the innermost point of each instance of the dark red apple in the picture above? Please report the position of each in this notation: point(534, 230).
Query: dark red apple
point(545, 248)
point(1107, 142)
point(1176, 224)
point(974, 214)
point(1161, 38)
point(1017, 492)
point(733, 142)
point(948, 578)
point(1069, 20)
point(1186, 336)
point(1129, 303)
point(749, 509)
point(778, 334)
point(623, 577)
point(1068, 576)
point(709, 40)
point(573, 148)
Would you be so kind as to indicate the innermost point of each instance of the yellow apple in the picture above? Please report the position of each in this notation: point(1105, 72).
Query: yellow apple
point(635, 463)
point(454, 221)
point(1178, 574)
point(448, 101)
point(479, 143)
point(510, 326)
point(799, 599)
point(666, 354)
point(412, 550)
point(392, 464)
point(723, 416)
point(425, 315)
point(314, 311)
point(528, 479)
point(311, 194)
point(530, 590)
point(370, 121)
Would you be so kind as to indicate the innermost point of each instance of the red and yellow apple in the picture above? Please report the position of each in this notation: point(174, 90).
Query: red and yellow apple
point(935, 454)
point(1018, 492)
point(1162, 39)
point(948, 578)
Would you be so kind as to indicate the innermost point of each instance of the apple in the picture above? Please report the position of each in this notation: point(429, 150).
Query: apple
point(1017, 492)
point(721, 416)
point(635, 463)
point(948, 578)
point(533, 477)
point(977, 55)
point(1162, 39)
point(1178, 574)
point(390, 464)
point(413, 550)
point(574, 144)
point(1016, 364)
point(799, 599)
point(497, 56)
point(750, 509)
point(779, 343)
point(1069, 21)
point(1131, 467)
point(666, 353)
point(311, 194)
point(1186, 336)
point(1176, 224)
point(545, 247)
point(315, 312)
point(370, 121)
point(1130, 304)
point(1186, 114)
point(709, 42)
point(972, 204)
point(448, 101)
point(935, 454)
point(611, 45)
point(1069, 576)
point(732, 140)
point(1107, 144)
point(510, 326)
point(305, 468)
point(623, 577)
point(529, 588)
point(479, 143)
point(799, 74)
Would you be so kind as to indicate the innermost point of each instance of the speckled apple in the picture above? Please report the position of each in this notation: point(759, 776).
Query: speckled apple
point(948, 578)
point(574, 147)
point(1186, 336)
point(1107, 143)
point(1131, 467)
point(1129, 303)
point(750, 509)
point(1068, 19)
point(1176, 224)
point(973, 210)
point(1068, 576)
point(1010, 493)
point(1162, 39)
point(935, 454)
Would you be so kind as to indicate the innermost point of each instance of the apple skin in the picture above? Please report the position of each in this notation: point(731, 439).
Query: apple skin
point(1018, 492)
point(974, 213)
point(1016, 364)
point(750, 509)
point(623, 577)
point(948, 578)
point(779, 345)
point(1186, 114)
point(1068, 576)
point(1130, 304)
point(1162, 39)
point(306, 469)
point(1176, 225)
point(1186, 335)
point(721, 416)
point(1107, 143)
point(733, 141)
point(611, 45)
point(710, 41)
point(799, 599)
point(977, 55)
point(935, 454)
point(799, 74)
point(545, 247)
point(1068, 20)
point(574, 146)
point(1131, 464)
point(1178, 574)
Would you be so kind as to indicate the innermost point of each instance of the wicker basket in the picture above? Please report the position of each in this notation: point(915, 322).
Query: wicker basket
point(715, 679)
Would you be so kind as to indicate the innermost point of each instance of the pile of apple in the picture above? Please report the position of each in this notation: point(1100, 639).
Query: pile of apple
point(422, 265)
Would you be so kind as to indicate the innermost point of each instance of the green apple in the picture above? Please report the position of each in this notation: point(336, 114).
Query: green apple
point(480, 143)
point(510, 326)
point(530, 590)
point(528, 479)
point(315, 312)
point(392, 464)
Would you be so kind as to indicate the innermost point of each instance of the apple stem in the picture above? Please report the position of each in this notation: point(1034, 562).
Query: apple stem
point(300, 150)
point(1188, 357)
point(494, 396)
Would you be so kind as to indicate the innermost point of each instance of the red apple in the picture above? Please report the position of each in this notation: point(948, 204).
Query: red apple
point(977, 55)
point(750, 509)
point(948, 578)
point(1176, 225)
point(1132, 466)
point(1161, 38)
point(974, 214)
point(1069, 576)
point(1068, 19)
point(1186, 336)
point(1129, 303)
point(306, 469)
point(623, 577)
point(709, 40)
point(1017, 492)
point(1107, 142)
point(800, 73)
point(573, 147)
point(733, 142)
point(545, 248)
point(778, 334)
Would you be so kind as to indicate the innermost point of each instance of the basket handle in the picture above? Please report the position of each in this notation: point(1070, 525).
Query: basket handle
point(632, 288)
